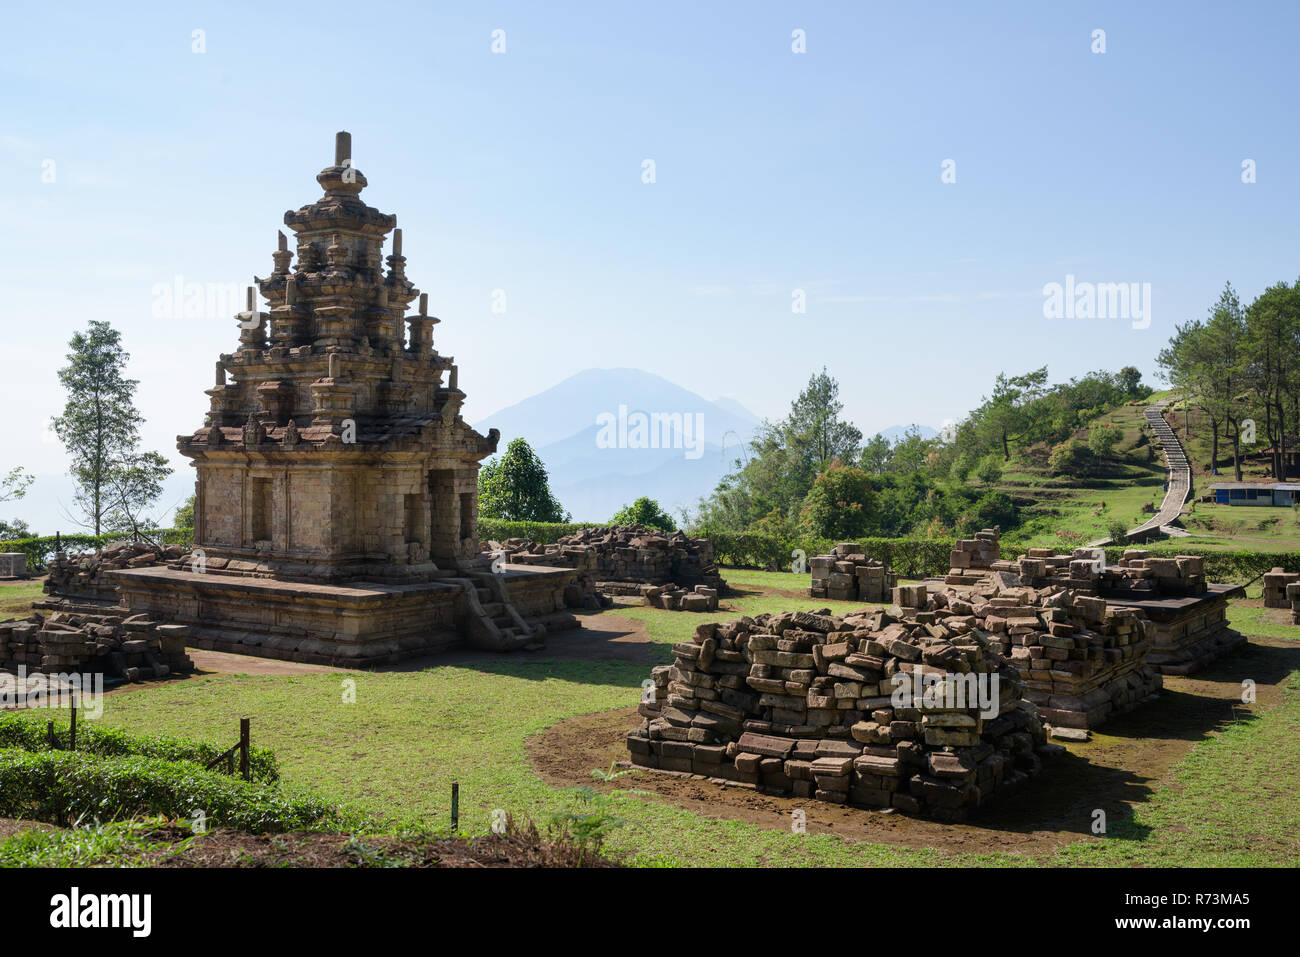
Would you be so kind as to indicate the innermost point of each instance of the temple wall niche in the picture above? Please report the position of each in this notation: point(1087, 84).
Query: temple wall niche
point(309, 511)
point(223, 505)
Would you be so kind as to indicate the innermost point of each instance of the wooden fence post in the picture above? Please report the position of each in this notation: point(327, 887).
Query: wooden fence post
point(244, 771)
point(455, 805)
point(72, 728)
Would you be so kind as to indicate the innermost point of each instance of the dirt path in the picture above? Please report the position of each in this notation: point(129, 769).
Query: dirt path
point(1114, 771)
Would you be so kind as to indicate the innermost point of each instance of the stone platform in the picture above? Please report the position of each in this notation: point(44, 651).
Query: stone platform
point(1187, 632)
point(359, 624)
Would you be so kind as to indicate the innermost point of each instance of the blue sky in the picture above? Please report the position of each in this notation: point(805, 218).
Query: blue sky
point(775, 171)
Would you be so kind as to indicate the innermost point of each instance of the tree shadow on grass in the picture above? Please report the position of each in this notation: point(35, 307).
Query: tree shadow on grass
point(1193, 708)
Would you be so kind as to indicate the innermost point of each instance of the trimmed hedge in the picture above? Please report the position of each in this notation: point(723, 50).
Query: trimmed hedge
point(909, 557)
point(547, 533)
point(1220, 566)
point(62, 786)
point(40, 550)
point(18, 730)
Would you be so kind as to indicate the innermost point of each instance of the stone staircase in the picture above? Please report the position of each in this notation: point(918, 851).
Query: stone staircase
point(494, 622)
point(1179, 478)
point(1180, 473)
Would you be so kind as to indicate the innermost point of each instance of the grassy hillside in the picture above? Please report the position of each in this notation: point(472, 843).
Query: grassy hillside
point(1070, 510)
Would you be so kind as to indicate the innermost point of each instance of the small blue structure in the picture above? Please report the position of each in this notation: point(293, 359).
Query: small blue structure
point(1277, 494)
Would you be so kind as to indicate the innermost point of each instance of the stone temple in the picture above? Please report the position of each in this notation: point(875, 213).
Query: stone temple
point(336, 490)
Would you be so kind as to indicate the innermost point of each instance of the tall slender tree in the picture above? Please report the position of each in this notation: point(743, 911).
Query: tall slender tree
point(100, 429)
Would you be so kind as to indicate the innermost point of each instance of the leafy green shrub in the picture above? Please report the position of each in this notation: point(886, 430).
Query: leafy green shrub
point(64, 786)
point(1103, 437)
point(910, 557)
point(841, 504)
point(644, 511)
point(1068, 457)
point(18, 730)
point(545, 532)
point(989, 469)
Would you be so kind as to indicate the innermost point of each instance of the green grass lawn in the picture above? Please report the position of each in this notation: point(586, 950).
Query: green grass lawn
point(1244, 527)
point(396, 751)
point(16, 599)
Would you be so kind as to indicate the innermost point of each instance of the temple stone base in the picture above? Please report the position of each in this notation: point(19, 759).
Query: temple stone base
point(360, 624)
point(1188, 632)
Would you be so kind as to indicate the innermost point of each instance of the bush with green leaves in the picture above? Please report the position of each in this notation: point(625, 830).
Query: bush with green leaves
point(644, 511)
point(1103, 437)
point(27, 733)
point(989, 469)
point(910, 557)
point(547, 533)
point(1068, 458)
point(63, 787)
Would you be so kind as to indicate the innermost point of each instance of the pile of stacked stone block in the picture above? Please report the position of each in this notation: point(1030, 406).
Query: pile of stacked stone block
point(972, 558)
point(1276, 582)
point(846, 574)
point(1188, 617)
point(133, 648)
point(623, 559)
point(1082, 660)
point(1136, 572)
point(80, 577)
point(833, 708)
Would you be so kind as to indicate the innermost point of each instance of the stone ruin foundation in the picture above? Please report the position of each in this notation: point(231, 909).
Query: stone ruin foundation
point(81, 579)
point(122, 648)
point(79, 627)
point(1082, 660)
point(336, 481)
point(1187, 616)
point(1275, 587)
point(666, 569)
point(13, 565)
point(807, 705)
point(846, 574)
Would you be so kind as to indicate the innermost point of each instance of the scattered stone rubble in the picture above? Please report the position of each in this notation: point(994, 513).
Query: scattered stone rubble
point(80, 576)
point(846, 574)
point(807, 705)
point(680, 598)
point(129, 648)
point(1276, 584)
point(625, 560)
